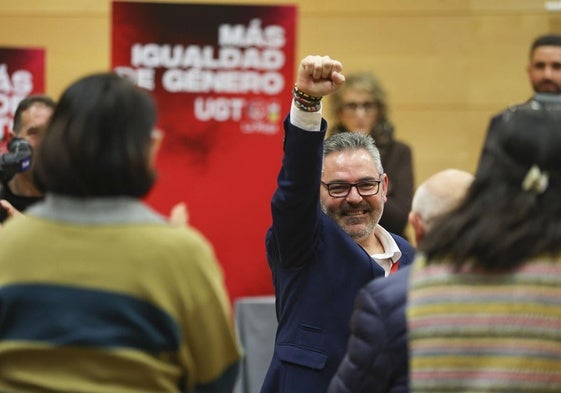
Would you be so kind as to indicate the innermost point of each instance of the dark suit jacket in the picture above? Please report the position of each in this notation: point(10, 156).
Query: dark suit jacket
point(317, 272)
point(398, 164)
point(377, 354)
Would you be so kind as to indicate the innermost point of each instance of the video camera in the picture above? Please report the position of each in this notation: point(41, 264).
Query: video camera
point(17, 159)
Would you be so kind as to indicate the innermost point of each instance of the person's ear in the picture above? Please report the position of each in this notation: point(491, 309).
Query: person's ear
point(156, 138)
point(418, 226)
point(385, 185)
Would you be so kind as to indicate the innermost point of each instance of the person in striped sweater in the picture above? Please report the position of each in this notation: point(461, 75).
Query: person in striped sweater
point(484, 305)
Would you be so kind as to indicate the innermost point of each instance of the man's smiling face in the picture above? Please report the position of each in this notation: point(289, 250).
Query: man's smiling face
point(357, 215)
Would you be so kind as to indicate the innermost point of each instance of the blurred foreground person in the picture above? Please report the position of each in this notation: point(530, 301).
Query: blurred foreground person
point(110, 297)
point(484, 307)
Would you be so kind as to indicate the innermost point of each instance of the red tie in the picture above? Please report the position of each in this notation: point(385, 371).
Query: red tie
point(394, 268)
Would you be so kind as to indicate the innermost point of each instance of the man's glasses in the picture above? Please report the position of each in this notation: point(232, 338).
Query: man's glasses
point(355, 106)
point(342, 189)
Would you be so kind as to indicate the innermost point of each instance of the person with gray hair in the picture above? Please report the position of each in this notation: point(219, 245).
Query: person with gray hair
point(361, 105)
point(338, 145)
point(353, 142)
point(325, 241)
point(437, 195)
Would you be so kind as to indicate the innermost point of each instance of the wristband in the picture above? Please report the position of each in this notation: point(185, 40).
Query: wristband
point(305, 97)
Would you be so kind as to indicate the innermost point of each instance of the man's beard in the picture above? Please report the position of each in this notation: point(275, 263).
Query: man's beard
point(339, 215)
point(547, 86)
point(364, 233)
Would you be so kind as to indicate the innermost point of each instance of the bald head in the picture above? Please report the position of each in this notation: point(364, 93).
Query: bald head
point(437, 195)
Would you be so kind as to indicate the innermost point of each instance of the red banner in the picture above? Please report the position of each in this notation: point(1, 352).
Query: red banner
point(22, 72)
point(221, 76)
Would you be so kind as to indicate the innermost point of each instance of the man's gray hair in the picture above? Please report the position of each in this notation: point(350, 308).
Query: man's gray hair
point(353, 141)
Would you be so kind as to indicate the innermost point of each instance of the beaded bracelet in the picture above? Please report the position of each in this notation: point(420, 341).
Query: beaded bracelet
point(305, 97)
point(306, 102)
point(307, 107)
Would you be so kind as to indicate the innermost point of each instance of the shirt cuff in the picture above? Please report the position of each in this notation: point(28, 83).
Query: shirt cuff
point(309, 121)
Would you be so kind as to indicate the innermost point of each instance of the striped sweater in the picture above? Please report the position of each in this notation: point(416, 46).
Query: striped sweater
point(473, 332)
point(102, 295)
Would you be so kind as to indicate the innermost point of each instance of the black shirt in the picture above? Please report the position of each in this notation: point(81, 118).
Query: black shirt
point(19, 202)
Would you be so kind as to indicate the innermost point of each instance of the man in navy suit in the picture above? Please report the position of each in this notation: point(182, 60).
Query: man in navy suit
point(325, 242)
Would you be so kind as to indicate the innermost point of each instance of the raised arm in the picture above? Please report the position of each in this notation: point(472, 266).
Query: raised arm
point(319, 76)
point(295, 205)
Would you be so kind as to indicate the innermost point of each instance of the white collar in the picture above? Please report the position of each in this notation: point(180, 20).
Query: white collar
point(391, 252)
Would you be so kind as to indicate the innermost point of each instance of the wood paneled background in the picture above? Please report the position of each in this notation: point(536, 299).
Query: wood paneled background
point(448, 65)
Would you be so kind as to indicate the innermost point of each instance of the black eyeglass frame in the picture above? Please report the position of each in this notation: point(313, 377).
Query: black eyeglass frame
point(351, 185)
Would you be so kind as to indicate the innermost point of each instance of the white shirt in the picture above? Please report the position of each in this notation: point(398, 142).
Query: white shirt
point(309, 121)
point(391, 252)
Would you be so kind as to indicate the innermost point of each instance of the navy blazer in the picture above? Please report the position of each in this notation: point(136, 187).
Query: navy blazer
point(317, 270)
point(377, 354)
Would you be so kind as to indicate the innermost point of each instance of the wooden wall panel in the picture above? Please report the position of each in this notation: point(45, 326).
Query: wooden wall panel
point(75, 44)
point(447, 64)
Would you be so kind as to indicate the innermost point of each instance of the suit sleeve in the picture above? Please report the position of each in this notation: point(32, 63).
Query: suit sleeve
point(295, 207)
